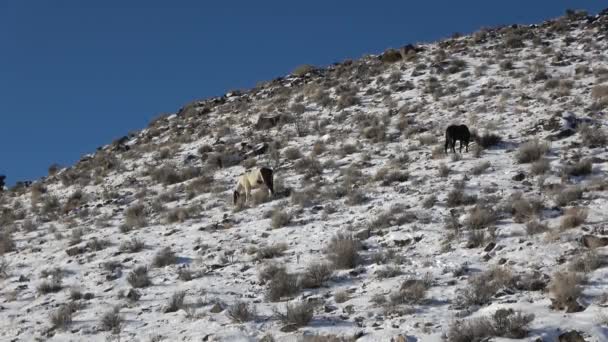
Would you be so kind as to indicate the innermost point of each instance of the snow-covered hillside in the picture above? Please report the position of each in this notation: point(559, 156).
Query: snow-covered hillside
point(374, 233)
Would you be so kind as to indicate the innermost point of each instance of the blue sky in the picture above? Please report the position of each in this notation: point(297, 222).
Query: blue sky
point(75, 75)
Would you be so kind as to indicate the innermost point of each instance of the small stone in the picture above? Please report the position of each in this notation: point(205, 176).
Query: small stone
point(519, 177)
point(591, 241)
point(362, 234)
point(216, 308)
point(490, 247)
point(289, 328)
point(571, 336)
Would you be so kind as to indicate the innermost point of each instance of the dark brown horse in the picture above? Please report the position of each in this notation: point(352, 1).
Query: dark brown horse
point(457, 132)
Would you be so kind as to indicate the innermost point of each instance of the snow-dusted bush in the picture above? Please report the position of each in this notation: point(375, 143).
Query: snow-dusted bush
point(531, 151)
point(138, 278)
point(343, 251)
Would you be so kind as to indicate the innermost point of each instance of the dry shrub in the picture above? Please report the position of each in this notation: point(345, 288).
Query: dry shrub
point(388, 175)
point(280, 218)
point(356, 197)
point(269, 270)
point(427, 139)
point(62, 317)
point(587, 262)
point(178, 215)
point(298, 315)
point(534, 227)
point(7, 243)
point(272, 251)
point(565, 288)
point(76, 236)
point(480, 168)
point(481, 217)
point(487, 140)
point(4, 268)
point(395, 216)
point(477, 151)
point(457, 197)
point(282, 284)
point(429, 202)
point(138, 278)
point(241, 312)
point(316, 274)
point(200, 184)
point(176, 302)
point(309, 166)
point(169, 174)
point(304, 198)
point(412, 291)
point(503, 323)
point(136, 216)
point(166, 174)
point(574, 217)
point(164, 257)
point(54, 285)
point(540, 166)
point(443, 170)
point(524, 209)
point(599, 92)
point(482, 287)
point(388, 271)
point(592, 136)
point(347, 149)
point(302, 70)
point(292, 153)
point(531, 151)
point(329, 338)
point(476, 238)
point(112, 320)
point(580, 168)
point(343, 251)
point(132, 246)
point(568, 195)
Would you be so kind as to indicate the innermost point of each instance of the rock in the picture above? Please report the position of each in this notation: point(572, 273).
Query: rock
point(571, 336)
point(267, 122)
point(74, 251)
point(591, 241)
point(399, 338)
point(573, 306)
point(363, 234)
point(490, 247)
point(216, 308)
point(519, 177)
point(330, 308)
point(358, 335)
point(289, 328)
point(88, 296)
point(402, 243)
point(133, 295)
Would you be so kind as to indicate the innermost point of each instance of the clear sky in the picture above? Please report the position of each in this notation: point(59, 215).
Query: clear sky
point(74, 75)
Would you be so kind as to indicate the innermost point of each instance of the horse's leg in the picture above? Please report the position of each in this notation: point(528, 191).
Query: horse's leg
point(247, 194)
point(447, 142)
point(453, 145)
point(461, 146)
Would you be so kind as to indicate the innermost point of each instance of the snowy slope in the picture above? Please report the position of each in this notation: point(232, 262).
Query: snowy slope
point(357, 151)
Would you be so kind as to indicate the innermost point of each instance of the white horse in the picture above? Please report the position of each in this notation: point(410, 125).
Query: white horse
point(253, 179)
